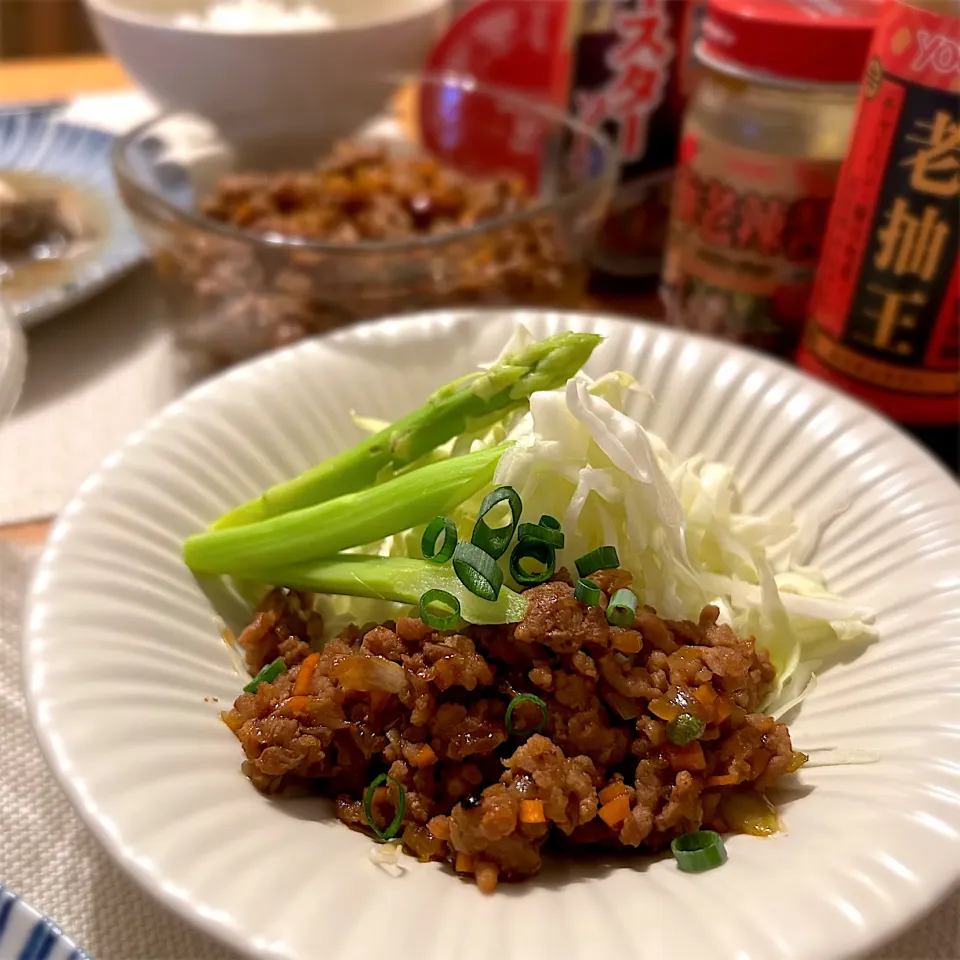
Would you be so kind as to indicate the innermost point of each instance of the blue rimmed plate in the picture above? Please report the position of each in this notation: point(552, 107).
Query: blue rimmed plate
point(38, 151)
point(27, 935)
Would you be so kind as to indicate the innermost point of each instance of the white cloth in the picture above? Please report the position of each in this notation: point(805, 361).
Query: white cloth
point(48, 857)
point(94, 375)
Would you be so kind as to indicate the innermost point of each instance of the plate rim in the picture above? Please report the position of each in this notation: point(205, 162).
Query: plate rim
point(933, 891)
point(19, 903)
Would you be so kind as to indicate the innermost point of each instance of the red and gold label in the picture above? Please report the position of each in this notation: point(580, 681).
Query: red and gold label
point(885, 313)
point(745, 236)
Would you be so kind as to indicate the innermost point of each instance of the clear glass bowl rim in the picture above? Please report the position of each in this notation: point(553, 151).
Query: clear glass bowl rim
point(604, 179)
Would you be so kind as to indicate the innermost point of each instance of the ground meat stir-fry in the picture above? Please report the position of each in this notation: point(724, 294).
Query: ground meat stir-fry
point(363, 193)
point(429, 709)
point(238, 298)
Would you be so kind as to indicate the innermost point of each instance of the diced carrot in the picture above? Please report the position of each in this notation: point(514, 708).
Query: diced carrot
point(292, 706)
point(706, 694)
point(464, 863)
point(796, 761)
point(531, 811)
point(726, 780)
point(721, 709)
point(612, 790)
point(689, 757)
point(232, 719)
point(706, 697)
point(301, 686)
point(616, 811)
point(665, 709)
point(424, 757)
point(626, 641)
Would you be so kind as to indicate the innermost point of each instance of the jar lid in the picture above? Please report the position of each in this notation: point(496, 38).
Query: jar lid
point(821, 41)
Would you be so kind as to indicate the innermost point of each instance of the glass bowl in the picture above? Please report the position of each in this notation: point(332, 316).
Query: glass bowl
point(233, 293)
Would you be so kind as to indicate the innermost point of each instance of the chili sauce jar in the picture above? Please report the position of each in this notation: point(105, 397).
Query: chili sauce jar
point(762, 145)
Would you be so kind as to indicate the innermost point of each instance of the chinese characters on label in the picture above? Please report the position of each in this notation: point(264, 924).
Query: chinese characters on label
point(744, 241)
point(885, 318)
point(771, 226)
point(914, 246)
point(639, 65)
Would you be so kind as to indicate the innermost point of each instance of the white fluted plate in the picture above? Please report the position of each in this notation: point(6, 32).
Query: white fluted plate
point(124, 657)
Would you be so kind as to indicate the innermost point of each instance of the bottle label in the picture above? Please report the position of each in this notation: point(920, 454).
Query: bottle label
point(629, 78)
point(745, 236)
point(884, 317)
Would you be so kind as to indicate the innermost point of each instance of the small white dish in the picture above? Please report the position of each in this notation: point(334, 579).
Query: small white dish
point(127, 671)
point(26, 934)
point(34, 141)
point(195, 68)
point(13, 362)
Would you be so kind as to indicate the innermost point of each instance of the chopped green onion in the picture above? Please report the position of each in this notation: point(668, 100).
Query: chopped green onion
point(541, 532)
point(514, 703)
point(622, 608)
point(547, 521)
point(437, 621)
point(400, 579)
point(428, 542)
point(477, 570)
point(494, 541)
point(394, 827)
point(603, 558)
point(685, 729)
point(267, 675)
point(543, 553)
point(587, 592)
point(699, 851)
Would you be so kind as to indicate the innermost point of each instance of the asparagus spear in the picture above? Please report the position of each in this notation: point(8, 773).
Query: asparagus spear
point(468, 403)
point(393, 578)
point(350, 520)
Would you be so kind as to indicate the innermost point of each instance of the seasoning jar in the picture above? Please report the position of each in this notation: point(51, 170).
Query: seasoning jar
point(884, 319)
point(763, 141)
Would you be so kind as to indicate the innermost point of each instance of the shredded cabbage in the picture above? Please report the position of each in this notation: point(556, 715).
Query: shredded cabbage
point(677, 525)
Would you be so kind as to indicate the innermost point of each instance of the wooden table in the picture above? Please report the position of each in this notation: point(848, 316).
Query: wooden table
point(52, 79)
point(61, 78)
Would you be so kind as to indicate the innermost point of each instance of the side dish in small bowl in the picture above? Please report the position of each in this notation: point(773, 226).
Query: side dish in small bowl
point(406, 195)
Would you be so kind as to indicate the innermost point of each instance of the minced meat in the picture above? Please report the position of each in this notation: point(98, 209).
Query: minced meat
point(458, 239)
point(429, 708)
